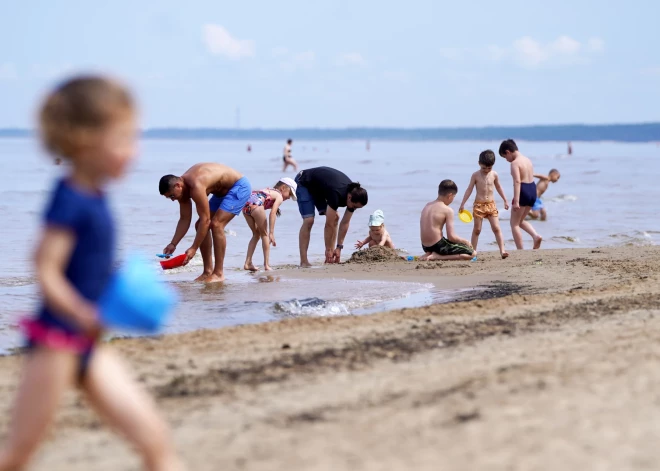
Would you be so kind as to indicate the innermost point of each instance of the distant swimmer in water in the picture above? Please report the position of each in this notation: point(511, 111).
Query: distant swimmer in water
point(249, 148)
point(538, 210)
point(264, 228)
point(570, 149)
point(287, 159)
point(378, 235)
point(524, 193)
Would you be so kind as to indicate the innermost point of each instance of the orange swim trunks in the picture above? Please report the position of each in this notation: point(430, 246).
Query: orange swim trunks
point(485, 209)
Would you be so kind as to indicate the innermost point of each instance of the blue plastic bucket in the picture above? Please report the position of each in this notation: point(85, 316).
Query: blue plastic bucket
point(136, 299)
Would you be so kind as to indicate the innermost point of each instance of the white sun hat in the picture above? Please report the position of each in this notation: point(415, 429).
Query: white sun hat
point(291, 184)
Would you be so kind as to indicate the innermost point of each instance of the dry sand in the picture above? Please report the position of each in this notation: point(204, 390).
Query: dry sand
point(555, 365)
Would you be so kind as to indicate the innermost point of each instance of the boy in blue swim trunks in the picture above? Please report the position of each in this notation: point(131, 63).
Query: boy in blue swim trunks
point(91, 123)
point(538, 210)
point(524, 193)
point(229, 192)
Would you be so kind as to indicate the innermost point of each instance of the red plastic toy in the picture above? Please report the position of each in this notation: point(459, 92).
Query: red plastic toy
point(174, 262)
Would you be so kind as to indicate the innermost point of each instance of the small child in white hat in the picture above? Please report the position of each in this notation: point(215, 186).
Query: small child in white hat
point(378, 235)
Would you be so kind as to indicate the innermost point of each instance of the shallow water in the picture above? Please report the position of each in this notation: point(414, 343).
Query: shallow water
point(600, 200)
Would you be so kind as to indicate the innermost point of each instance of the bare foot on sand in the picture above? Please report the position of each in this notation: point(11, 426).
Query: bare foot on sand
point(214, 279)
point(250, 267)
point(537, 242)
point(201, 278)
point(306, 265)
point(424, 257)
point(505, 255)
point(268, 268)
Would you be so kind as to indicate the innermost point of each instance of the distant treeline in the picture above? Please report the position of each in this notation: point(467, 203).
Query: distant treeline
point(648, 132)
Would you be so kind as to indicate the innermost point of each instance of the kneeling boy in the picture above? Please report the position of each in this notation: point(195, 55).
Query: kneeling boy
point(437, 215)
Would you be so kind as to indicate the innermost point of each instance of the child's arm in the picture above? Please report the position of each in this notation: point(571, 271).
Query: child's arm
point(272, 218)
point(541, 177)
point(515, 173)
point(500, 191)
point(451, 235)
point(468, 192)
point(52, 258)
point(388, 241)
point(362, 243)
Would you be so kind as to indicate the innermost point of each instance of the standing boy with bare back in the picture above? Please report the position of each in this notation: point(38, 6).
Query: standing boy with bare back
point(486, 180)
point(524, 193)
point(436, 216)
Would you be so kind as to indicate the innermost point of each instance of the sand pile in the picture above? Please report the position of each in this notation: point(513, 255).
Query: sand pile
point(375, 254)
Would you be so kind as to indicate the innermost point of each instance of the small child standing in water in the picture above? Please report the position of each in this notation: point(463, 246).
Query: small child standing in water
point(255, 214)
point(91, 122)
point(486, 180)
point(378, 235)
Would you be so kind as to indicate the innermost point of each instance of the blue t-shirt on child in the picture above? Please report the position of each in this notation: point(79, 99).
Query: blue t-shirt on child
point(88, 217)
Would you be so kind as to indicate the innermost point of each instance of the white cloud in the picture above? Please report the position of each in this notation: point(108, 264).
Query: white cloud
point(531, 54)
point(650, 72)
point(293, 61)
point(8, 71)
point(396, 76)
point(495, 53)
point(452, 53)
point(279, 51)
point(350, 58)
point(596, 45)
point(304, 57)
point(220, 43)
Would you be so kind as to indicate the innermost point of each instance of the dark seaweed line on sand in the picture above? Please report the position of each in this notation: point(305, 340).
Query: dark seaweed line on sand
point(424, 335)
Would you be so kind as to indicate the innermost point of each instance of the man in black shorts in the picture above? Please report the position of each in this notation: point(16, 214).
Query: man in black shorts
point(326, 190)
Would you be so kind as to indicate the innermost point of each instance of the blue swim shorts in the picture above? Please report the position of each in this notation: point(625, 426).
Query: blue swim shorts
point(306, 202)
point(538, 205)
point(234, 200)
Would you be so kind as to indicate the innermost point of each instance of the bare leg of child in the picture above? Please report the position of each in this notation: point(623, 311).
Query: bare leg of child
point(130, 410)
point(497, 231)
point(518, 222)
point(426, 256)
point(544, 215)
point(252, 245)
point(476, 230)
point(46, 376)
point(261, 223)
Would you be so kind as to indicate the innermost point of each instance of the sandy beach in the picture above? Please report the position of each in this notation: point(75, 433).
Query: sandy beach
point(551, 364)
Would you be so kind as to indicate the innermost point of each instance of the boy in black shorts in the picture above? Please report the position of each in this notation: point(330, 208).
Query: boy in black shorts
point(437, 215)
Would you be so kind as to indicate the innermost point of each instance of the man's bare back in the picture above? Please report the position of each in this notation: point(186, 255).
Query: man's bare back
point(217, 179)
point(432, 221)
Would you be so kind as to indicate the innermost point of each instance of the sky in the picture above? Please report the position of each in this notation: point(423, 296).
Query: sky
point(337, 63)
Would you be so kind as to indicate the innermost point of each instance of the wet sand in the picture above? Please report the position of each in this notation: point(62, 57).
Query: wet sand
point(552, 365)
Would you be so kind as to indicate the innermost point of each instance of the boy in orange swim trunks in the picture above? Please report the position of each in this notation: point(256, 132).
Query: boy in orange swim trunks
point(485, 180)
